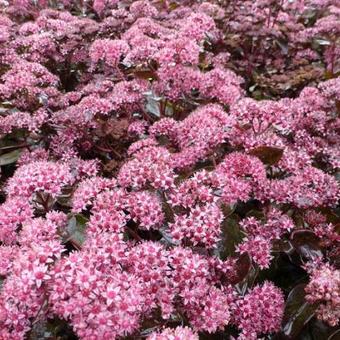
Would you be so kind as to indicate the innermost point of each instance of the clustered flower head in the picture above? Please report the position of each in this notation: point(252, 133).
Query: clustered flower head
point(258, 243)
point(324, 289)
point(157, 157)
point(260, 311)
point(175, 334)
point(46, 177)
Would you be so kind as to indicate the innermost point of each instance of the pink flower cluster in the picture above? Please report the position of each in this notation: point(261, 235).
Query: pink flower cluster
point(260, 311)
point(157, 156)
point(260, 235)
point(201, 226)
point(324, 289)
point(176, 334)
point(24, 292)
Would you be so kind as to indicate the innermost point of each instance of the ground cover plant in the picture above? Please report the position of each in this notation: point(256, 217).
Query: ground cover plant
point(169, 169)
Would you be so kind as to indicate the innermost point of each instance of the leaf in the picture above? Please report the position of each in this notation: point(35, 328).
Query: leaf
point(335, 335)
point(283, 246)
point(306, 243)
point(231, 237)
point(10, 157)
point(245, 273)
point(322, 42)
point(153, 105)
point(60, 329)
point(39, 331)
point(283, 45)
point(268, 154)
point(297, 312)
point(172, 6)
point(76, 229)
point(146, 74)
point(330, 214)
point(321, 330)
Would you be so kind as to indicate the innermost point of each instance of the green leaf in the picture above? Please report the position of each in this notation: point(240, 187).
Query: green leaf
point(10, 157)
point(297, 312)
point(268, 154)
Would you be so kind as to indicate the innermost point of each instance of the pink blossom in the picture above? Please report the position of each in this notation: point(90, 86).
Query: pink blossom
point(13, 213)
point(35, 177)
point(176, 334)
point(200, 226)
point(149, 165)
point(222, 85)
point(137, 127)
point(258, 248)
point(88, 190)
point(110, 51)
point(259, 311)
point(99, 299)
point(145, 208)
point(324, 288)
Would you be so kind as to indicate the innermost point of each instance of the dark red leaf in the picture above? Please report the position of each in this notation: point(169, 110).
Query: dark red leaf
point(297, 312)
point(268, 154)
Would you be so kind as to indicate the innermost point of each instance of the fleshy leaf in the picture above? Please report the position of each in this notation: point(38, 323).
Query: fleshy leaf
point(10, 157)
point(268, 154)
point(297, 312)
point(76, 230)
point(231, 237)
point(306, 243)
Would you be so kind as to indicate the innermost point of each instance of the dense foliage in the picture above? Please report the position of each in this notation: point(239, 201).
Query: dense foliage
point(169, 169)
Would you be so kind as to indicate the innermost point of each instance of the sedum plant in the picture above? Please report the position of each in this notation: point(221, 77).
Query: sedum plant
point(169, 169)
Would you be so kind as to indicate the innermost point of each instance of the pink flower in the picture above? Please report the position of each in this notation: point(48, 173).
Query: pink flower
point(13, 213)
point(91, 290)
point(145, 208)
point(177, 333)
point(110, 51)
point(149, 165)
point(88, 190)
point(324, 288)
point(201, 226)
point(259, 311)
point(259, 250)
point(45, 177)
